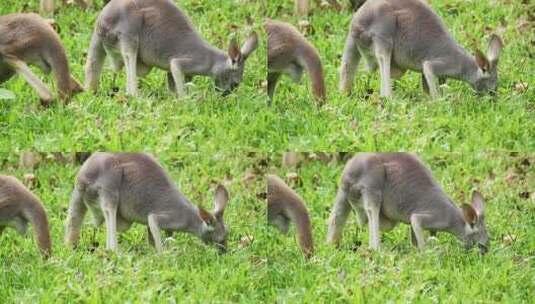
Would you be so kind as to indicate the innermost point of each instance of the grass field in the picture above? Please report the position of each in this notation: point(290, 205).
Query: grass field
point(469, 142)
point(205, 121)
point(271, 268)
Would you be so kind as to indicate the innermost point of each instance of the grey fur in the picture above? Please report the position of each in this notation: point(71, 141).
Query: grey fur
point(29, 39)
point(142, 34)
point(46, 7)
point(125, 188)
point(400, 35)
point(387, 188)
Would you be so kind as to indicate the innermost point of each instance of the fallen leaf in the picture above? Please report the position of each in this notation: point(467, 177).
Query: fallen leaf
point(521, 86)
point(294, 178)
point(246, 241)
point(508, 239)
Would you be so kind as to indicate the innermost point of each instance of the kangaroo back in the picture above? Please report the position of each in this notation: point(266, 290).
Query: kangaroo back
point(289, 52)
point(30, 38)
point(285, 206)
point(17, 201)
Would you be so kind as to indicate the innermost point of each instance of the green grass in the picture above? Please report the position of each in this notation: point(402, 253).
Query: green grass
point(204, 121)
point(469, 142)
point(272, 269)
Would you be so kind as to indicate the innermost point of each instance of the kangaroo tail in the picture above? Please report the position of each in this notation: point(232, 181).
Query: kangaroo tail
point(299, 215)
point(36, 215)
point(311, 60)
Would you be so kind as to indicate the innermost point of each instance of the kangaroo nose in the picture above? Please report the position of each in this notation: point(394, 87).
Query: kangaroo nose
point(483, 249)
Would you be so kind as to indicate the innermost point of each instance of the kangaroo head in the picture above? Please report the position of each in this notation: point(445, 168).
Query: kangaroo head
point(476, 231)
point(487, 77)
point(216, 232)
point(229, 74)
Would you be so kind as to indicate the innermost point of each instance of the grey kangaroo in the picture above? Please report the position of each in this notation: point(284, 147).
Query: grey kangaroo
point(47, 6)
point(302, 7)
point(386, 188)
point(124, 188)
point(18, 207)
point(290, 53)
point(400, 35)
point(285, 206)
point(142, 34)
point(30, 39)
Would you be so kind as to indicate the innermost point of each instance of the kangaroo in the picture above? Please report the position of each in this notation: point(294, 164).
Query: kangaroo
point(142, 34)
point(285, 206)
point(125, 188)
point(302, 7)
point(386, 188)
point(400, 35)
point(47, 6)
point(290, 53)
point(18, 206)
point(30, 39)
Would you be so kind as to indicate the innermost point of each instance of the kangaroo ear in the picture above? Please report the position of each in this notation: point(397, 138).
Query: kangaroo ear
point(221, 198)
point(250, 45)
point(478, 203)
point(234, 50)
point(470, 215)
point(482, 61)
point(206, 216)
point(495, 48)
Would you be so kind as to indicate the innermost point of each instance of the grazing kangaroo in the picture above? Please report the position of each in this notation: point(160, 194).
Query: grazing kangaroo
point(18, 206)
point(302, 6)
point(386, 188)
point(142, 34)
point(400, 35)
point(285, 206)
point(47, 6)
point(290, 53)
point(124, 188)
point(30, 39)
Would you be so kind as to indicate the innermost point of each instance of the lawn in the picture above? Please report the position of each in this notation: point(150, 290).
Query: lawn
point(205, 121)
point(469, 142)
point(270, 268)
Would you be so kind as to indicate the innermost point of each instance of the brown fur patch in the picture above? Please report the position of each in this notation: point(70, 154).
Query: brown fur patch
point(206, 216)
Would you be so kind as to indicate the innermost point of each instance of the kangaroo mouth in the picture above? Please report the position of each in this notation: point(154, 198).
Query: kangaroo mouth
point(222, 248)
point(483, 249)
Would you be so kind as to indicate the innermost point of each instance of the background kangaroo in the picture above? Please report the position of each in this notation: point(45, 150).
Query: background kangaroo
point(285, 206)
point(289, 53)
point(18, 206)
point(302, 7)
point(126, 188)
point(400, 35)
point(47, 6)
point(154, 33)
point(28, 38)
point(387, 188)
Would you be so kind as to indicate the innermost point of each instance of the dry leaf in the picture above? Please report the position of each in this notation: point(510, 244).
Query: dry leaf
point(521, 86)
point(246, 241)
point(508, 239)
point(304, 26)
